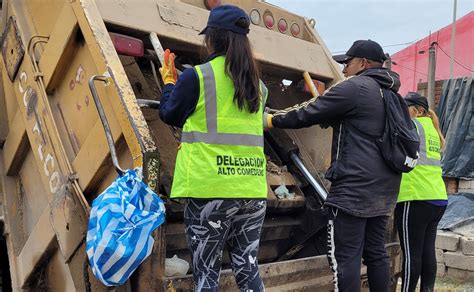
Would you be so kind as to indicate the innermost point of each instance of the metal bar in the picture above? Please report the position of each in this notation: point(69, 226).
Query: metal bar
point(37, 39)
point(431, 76)
point(388, 62)
point(154, 104)
point(155, 76)
point(453, 36)
point(105, 122)
point(299, 164)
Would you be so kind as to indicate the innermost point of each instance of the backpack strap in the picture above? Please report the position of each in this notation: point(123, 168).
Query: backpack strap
point(370, 136)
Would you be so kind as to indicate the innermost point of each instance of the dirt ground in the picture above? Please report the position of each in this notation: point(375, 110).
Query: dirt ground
point(449, 285)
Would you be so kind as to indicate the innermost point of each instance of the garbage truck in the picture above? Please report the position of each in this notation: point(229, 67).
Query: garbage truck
point(78, 104)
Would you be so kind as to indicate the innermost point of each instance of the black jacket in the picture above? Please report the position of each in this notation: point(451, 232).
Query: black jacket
point(362, 184)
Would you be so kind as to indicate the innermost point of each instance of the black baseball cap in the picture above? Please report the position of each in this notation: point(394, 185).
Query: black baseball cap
point(226, 17)
point(362, 49)
point(414, 98)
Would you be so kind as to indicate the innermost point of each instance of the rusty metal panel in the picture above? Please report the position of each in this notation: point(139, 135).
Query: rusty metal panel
point(131, 119)
point(13, 49)
point(73, 106)
point(40, 12)
point(60, 48)
point(15, 146)
point(11, 207)
point(11, 105)
point(55, 172)
point(31, 193)
point(36, 120)
point(39, 244)
point(59, 271)
point(57, 126)
point(12, 229)
point(4, 123)
point(69, 221)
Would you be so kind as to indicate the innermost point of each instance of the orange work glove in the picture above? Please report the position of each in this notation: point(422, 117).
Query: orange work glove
point(168, 71)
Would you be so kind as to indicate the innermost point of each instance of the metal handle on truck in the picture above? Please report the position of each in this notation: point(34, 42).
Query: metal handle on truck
point(311, 180)
point(287, 150)
point(310, 84)
point(105, 122)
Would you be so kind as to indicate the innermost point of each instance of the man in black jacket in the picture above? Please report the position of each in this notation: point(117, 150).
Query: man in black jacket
point(364, 189)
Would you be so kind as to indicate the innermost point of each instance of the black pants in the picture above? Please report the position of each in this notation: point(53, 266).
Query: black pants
point(352, 238)
point(417, 222)
point(210, 224)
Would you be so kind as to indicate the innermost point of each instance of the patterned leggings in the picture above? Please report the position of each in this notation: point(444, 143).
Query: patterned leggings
point(210, 224)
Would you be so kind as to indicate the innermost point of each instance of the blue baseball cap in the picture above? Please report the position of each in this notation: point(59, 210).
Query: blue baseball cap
point(226, 17)
point(362, 49)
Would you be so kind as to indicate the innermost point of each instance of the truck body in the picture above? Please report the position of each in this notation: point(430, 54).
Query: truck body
point(59, 56)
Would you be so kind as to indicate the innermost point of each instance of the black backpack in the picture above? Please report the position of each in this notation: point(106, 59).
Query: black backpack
point(399, 143)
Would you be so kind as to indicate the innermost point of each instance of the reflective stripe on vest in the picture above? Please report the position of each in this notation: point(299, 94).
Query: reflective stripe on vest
point(423, 159)
point(212, 137)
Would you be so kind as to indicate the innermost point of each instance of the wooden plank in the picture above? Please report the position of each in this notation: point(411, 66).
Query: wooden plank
point(274, 228)
point(16, 145)
point(274, 275)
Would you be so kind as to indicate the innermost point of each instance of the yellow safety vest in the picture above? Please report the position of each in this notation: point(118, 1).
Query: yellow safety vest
point(221, 154)
point(425, 182)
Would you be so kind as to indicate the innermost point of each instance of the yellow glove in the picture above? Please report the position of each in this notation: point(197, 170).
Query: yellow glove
point(168, 71)
point(267, 121)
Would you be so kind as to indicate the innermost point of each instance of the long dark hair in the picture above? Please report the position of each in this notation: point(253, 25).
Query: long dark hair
point(240, 65)
point(419, 111)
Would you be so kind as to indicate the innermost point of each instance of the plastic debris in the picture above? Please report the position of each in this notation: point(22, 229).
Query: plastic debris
point(176, 267)
point(282, 192)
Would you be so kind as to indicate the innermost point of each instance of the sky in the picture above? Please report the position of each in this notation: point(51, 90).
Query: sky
point(388, 22)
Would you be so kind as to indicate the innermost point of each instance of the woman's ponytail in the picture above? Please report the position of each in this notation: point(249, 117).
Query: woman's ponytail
point(435, 121)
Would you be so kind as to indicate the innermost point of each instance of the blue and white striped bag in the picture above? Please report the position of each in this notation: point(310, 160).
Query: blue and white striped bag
point(120, 226)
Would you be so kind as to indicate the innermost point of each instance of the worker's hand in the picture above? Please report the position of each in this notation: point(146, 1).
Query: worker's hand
point(267, 121)
point(168, 71)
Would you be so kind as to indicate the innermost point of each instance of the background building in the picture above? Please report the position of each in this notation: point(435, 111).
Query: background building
point(412, 62)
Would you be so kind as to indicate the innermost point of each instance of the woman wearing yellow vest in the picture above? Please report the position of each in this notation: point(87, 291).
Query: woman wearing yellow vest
point(422, 200)
point(221, 167)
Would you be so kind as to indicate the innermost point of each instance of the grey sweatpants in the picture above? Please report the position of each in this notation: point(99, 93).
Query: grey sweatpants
point(210, 224)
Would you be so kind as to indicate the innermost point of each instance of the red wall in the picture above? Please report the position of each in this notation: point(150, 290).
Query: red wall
point(413, 66)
